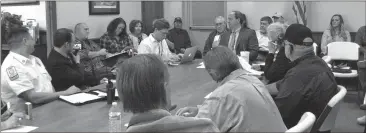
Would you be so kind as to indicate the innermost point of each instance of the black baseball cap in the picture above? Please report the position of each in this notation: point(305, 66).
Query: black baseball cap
point(299, 34)
point(178, 19)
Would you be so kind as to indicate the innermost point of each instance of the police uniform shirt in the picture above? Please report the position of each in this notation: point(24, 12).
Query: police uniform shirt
point(20, 74)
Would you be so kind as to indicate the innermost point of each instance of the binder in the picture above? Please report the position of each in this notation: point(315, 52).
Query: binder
point(83, 98)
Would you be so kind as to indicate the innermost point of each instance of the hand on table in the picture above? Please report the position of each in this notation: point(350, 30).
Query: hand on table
point(13, 121)
point(72, 90)
point(187, 112)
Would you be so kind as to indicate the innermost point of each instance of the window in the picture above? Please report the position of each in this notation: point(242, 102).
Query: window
point(203, 13)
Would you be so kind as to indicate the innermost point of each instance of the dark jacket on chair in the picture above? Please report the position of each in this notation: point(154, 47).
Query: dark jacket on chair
point(247, 41)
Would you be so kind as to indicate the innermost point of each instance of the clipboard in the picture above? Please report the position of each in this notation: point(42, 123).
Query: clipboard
point(83, 98)
point(117, 58)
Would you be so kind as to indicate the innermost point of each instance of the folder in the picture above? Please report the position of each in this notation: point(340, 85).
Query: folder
point(116, 58)
point(84, 98)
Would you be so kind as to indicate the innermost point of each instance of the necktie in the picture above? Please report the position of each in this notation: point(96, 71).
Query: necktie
point(232, 45)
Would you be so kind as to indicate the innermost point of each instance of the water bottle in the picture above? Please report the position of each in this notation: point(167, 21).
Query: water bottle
point(115, 119)
point(110, 92)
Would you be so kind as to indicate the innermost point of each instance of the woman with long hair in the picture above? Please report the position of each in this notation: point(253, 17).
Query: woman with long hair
point(116, 39)
point(335, 33)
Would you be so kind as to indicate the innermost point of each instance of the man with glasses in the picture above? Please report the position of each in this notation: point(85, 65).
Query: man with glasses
point(156, 44)
point(214, 37)
point(309, 84)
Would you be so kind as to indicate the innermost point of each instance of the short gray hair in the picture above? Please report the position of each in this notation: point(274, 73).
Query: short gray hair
point(220, 18)
point(277, 27)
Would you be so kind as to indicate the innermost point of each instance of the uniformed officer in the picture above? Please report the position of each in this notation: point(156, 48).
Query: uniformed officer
point(24, 77)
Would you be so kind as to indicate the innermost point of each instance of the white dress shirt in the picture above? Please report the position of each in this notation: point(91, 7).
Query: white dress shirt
point(237, 32)
point(262, 40)
point(151, 46)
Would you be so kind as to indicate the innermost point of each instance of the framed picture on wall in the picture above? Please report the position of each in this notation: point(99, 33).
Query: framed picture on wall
point(103, 7)
point(19, 3)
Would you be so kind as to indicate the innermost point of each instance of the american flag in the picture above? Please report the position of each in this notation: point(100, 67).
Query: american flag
point(299, 9)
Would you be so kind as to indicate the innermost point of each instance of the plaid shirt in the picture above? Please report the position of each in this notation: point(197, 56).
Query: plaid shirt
point(113, 45)
point(91, 64)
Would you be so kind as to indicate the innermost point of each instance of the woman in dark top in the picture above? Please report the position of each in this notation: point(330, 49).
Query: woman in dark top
point(276, 64)
point(116, 39)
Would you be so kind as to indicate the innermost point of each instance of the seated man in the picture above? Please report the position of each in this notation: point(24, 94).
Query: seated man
point(179, 37)
point(309, 84)
point(9, 120)
point(262, 33)
point(146, 94)
point(91, 55)
point(241, 102)
point(277, 64)
point(64, 66)
point(240, 38)
point(156, 42)
point(24, 77)
point(262, 36)
point(214, 37)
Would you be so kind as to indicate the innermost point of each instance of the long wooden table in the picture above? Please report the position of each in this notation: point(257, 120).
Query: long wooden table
point(189, 85)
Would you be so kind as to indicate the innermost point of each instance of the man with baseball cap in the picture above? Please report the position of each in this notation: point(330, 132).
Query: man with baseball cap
point(309, 85)
point(278, 17)
point(179, 37)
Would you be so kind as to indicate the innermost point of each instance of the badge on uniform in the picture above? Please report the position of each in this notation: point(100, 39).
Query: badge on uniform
point(12, 73)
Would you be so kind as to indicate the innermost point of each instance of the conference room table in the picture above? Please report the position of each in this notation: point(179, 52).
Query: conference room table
point(189, 85)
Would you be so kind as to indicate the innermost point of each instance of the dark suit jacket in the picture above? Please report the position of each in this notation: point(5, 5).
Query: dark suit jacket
point(209, 41)
point(66, 73)
point(247, 41)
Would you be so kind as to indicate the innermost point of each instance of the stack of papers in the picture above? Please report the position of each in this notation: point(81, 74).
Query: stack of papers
point(21, 129)
point(246, 66)
point(80, 98)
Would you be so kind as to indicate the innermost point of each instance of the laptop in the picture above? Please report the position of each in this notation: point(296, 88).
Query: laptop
point(189, 54)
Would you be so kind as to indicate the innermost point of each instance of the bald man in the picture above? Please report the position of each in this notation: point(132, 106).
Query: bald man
point(214, 37)
point(91, 54)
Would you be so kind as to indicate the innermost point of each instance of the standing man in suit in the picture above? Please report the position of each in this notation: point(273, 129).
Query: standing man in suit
point(240, 38)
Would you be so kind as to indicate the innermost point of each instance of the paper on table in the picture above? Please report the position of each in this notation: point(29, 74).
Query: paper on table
point(248, 67)
point(101, 94)
point(201, 65)
point(208, 95)
point(79, 98)
point(21, 129)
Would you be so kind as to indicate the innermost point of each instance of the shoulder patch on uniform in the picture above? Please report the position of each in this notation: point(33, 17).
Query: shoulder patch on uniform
point(12, 73)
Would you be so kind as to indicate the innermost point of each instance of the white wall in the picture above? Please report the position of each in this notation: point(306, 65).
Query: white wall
point(37, 12)
point(353, 13)
point(71, 13)
point(172, 9)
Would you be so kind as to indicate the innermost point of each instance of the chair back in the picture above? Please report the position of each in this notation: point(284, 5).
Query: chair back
point(306, 121)
point(343, 51)
point(327, 118)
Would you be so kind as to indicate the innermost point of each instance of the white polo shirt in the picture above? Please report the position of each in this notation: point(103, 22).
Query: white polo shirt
point(151, 46)
point(19, 74)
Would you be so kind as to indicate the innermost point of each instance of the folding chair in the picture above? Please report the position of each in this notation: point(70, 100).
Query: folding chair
point(326, 120)
point(306, 121)
point(347, 51)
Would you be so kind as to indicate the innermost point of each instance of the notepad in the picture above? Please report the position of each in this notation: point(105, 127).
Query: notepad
point(21, 129)
point(79, 98)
